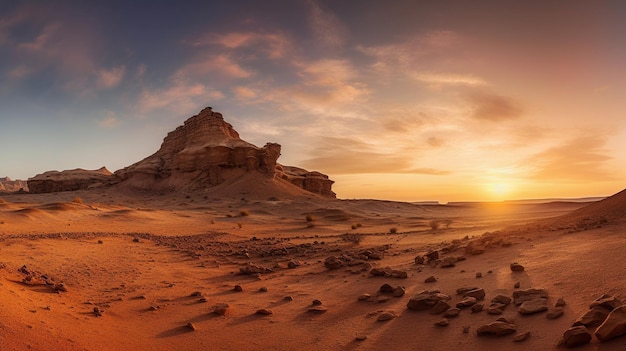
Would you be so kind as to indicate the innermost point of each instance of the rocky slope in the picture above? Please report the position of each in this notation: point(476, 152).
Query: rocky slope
point(9, 185)
point(69, 180)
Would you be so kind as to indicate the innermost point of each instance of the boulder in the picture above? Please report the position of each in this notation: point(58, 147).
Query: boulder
point(425, 300)
point(519, 296)
point(575, 336)
point(593, 317)
point(516, 267)
point(533, 306)
point(497, 328)
point(613, 326)
point(607, 301)
point(478, 294)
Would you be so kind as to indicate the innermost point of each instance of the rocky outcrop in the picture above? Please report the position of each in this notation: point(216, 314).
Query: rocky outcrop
point(70, 180)
point(8, 185)
point(314, 182)
point(205, 152)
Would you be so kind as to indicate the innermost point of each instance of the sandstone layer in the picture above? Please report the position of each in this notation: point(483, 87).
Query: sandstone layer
point(69, 180)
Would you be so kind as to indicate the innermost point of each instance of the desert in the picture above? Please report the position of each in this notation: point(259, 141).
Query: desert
point(230, 256)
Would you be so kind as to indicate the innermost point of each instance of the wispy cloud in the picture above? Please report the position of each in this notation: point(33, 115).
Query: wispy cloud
point(491, 107)
point(445, 79)
point(111, 78)
point(179, 95)
point(218, 65)
point(327, 29)
point(272, 45)
point(110, 121)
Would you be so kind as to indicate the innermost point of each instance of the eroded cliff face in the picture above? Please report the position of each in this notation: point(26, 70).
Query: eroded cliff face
point(69, 180)
point(9, 185)
point(206, 151)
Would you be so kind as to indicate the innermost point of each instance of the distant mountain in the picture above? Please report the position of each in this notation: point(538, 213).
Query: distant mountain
point(8, 185)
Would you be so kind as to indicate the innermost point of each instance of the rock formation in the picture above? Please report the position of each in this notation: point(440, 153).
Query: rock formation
point(8, 185)
point(205, 152)
point(69, 180)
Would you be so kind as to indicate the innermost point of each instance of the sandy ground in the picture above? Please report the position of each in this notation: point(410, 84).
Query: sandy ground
point(140, 258)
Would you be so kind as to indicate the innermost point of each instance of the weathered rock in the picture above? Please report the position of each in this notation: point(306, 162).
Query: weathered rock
point(70, 180)
point(516, 267)
point(474, 248)
point(464, 290)
point(503, 299)
point(334, 262)
point(432, 256)
point(497, 328)
point(398, 291)
point(440, 307)
point(452, 312)
point(496, 308)
point(477, 308)
point(478, 294)
point(8, 185)
point(385, 288)
point(364, 297)
point(206, 151)
point(221, 309)
point(444, 322)
point(426, 300)
point(520, 296)
point(560, 302)
point(575, 336)
point(593, 317)
point(191, 326)
point(419, 260)
point(613, 326)
point(466, 302)
point(430, 279)
point(521, 336)
point(317, 309)
point(385, 316)
point(533, 306)
point(264, 311)
point(555, 312)
point(253, 268)
point(448, 262)
point(607, 301)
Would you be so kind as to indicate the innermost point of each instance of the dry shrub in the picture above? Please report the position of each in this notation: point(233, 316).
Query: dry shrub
point(309, 218)
point(393, 230)
point(244, 213)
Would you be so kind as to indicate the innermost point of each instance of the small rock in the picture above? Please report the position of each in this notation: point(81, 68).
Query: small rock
point(264, 311)
point(560, 302)
point(316, 302)
point(263, 289)
point(448, 262)
point(238, 288)
point(60, 287)
point(464, 290)
point(97, 311)
point(443, 323)
point(479, 275)
point(466, 329)
point(606, 301)
point(432, 256)
point(288, 298)
point(521, 336)
point(385, 288)
point(153, 308)
point(496, 308)
point(466, 302)
point(381, 299)
point(360, 337)
point(426, 300)
point(477, 308)
point(196, 294)
point(440, 307)
point(516, 285)
point(503, 299)
point(575, 336)
point(497, 328)
point(100, 242)
point(554, 313)
point(533, 306)
point(419, 259)
point(430, 279)
point(317, 309)
point(221, 309)
point(191, 327)
point(135, 239)
point(452, 312)
point(516, 267)
point(478, 294)
point(364, 297)
point(398, 291)
point(385, 316)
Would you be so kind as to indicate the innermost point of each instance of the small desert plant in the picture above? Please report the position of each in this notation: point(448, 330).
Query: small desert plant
point(309, 218)
point(239, 225)
point(393, 230)
point(244, 213)
point(356, 225)
point(77, 200)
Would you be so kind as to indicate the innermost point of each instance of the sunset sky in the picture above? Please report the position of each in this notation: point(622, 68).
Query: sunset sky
point(404, 100)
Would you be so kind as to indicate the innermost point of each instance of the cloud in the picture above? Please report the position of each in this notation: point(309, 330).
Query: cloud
point(179, 95)
point(582, 159)
point(435, 141)
point(326, 26)
point(351, 156)
point(443, 79)
point(110, 121)
point(492, 107)
point(20, 72)
point(110, 78)
point(273, 45)
point(220, 65)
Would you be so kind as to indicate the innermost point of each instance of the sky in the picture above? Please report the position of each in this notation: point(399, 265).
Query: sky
point(407, 100)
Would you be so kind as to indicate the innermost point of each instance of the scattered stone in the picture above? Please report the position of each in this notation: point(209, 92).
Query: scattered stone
point(477, 308)
point(452, 312)
point(613, 326)
point(202, 300)
point(97, 311)
point(60, 287)
point(466, 329)
point(521, 336)
point(381, 299)
point(440, 307)
point(516, 267)
point(196, 294)
point(497, 328)
point(288, 298)
point(293, 264)
point(560, 302)
point(444, 322)
point(191, 327)
point(593, 317)
point(466, 302)
point(153, 308)
point(316, 302)
point(253, 268)
point(533, 306)
point(432, 256)
point(100, 242)
point(478, 294)
point(263, 289)
point(516, 285)
point(333, 262)
point(385, 288)
point(554, 313)
point(238, 288)
point(419, 259)
point(575, 336)
point(221, 309)
point(398, 291)
point(521, 296)
point(360, 337)
point(430, 279)
point(474, 248)
point(364, 297)
point(606, 301)
point(135, 239)
point(503, 299)
point(426, 300)
point(496, 308)
point(317, 309)
point(264, 311)
point(479, 275)
point(448, 262)
point(464, 290)
point(385, 316)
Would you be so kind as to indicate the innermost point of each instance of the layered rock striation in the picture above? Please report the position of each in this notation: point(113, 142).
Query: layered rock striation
point(9, 185)
point(69, 180)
